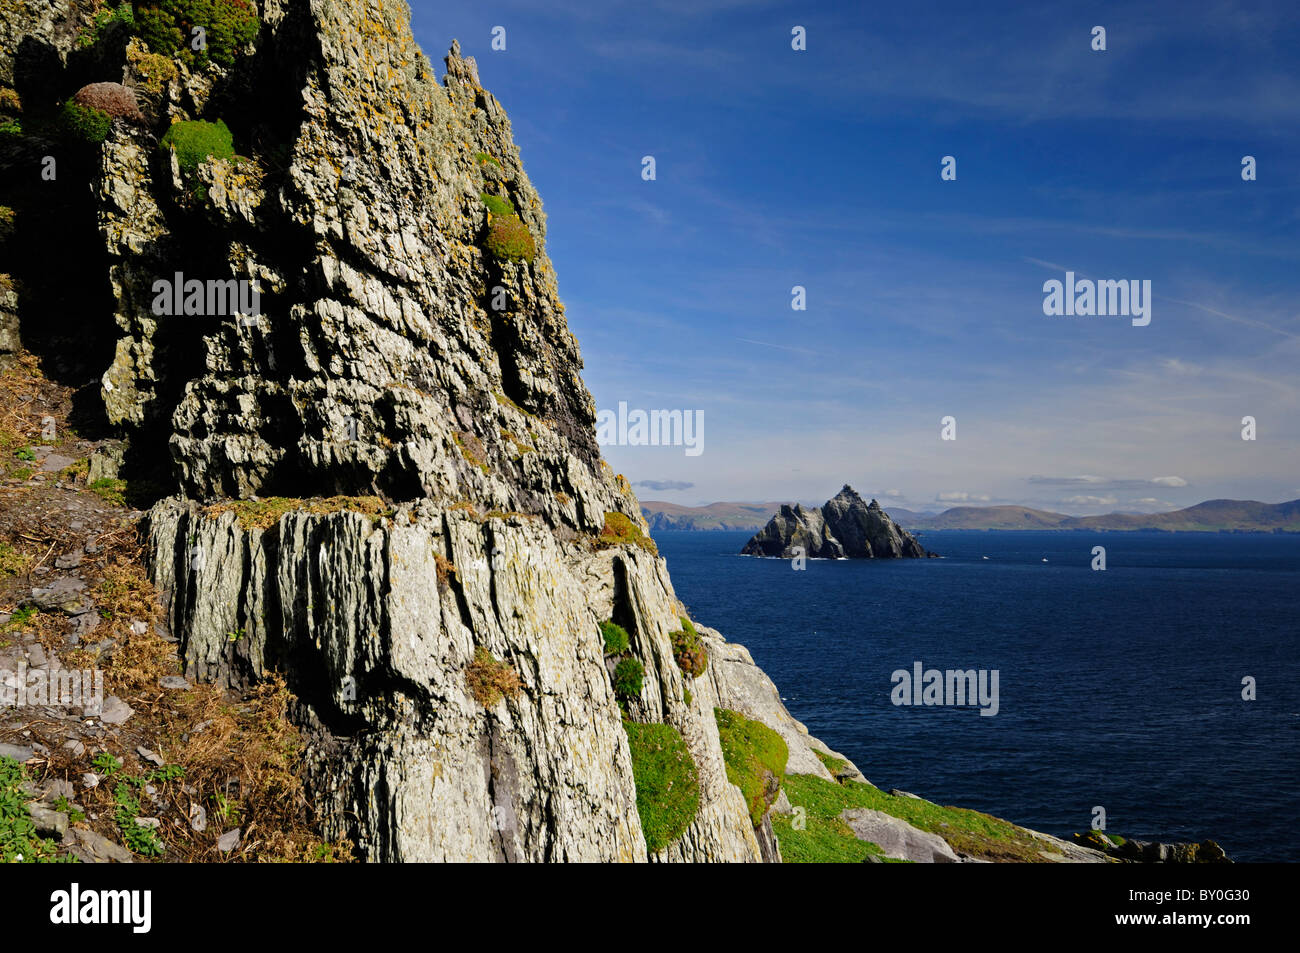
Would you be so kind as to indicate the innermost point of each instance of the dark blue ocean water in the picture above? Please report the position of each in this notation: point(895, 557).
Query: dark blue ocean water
point(1119, 688)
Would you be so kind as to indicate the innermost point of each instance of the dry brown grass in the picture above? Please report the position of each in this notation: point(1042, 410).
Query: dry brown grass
point(491, 679)
point(240, 755)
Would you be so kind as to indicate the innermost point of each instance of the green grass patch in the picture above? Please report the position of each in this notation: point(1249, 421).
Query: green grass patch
point(967, 832)
point(667, 784)
point(833, 765)
point(756, 757)
point(110, 490)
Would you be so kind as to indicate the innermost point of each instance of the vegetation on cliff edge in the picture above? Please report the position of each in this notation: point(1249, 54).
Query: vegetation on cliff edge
point(667, 783)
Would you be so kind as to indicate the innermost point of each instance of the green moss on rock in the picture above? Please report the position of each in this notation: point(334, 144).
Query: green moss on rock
point(196, 141)
point(85, 123)
point(497, 205)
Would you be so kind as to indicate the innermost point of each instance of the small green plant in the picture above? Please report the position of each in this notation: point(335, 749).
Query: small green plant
point(688, 649)
point(7, 219)
point(62, 804)
point(106, 764)
point(21, 617)
point(482, 157)
point(497, 205)
point(509, 239)
point(235, 636)
point(490, 679)
point(86, 123)
point(628, 676)
point(196, 141)
point(18, 840)
point(137, 837)
point(667, 782)
point(226, 809)
point(616, 638)
point(25, 454)
point(11, 127)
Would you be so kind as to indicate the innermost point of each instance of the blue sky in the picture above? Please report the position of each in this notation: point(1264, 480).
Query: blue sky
point(821, 168)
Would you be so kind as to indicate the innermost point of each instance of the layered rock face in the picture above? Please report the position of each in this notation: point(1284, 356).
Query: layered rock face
point(431, 390)
point(846, 527)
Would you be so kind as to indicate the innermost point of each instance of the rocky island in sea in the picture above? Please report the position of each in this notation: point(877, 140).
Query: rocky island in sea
point(845, 527)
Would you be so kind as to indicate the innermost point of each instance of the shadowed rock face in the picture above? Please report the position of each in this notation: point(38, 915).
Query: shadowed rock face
point(845, 527)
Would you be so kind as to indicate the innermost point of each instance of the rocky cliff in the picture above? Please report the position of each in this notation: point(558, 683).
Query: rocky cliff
point(382, 481)
point(845, 527)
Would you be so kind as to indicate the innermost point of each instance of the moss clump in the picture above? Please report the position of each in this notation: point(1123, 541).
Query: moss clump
point(628, 676)
point(756, 757)
point(110, 490)
point(509, 239)
point(497, 205)
point(667, 784)
point(826, 838)
point(196, 141)
point(85, 123)
point(616, 639)
point(491, 679)
point(688, 649)
point(619, 530)
point(155, 69)
point(483, 157)
point(167, 26)
point(10, 101)
point(265, 513)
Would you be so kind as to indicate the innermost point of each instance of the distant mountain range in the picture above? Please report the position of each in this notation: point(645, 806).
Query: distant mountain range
point(1212, 516)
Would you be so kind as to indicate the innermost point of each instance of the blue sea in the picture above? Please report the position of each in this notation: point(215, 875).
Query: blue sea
point(1119, 688)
